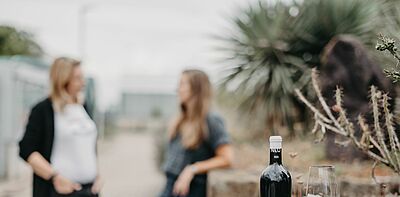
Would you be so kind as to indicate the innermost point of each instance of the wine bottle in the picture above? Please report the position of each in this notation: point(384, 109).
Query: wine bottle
point(275, 180)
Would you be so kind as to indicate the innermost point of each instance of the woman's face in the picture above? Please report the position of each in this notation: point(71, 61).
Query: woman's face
point(77, 82)
point(184, 90)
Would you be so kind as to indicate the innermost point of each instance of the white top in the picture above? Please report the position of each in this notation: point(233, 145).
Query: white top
point(74, 146)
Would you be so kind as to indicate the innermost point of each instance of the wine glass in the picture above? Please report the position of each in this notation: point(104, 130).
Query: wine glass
point(322, 182)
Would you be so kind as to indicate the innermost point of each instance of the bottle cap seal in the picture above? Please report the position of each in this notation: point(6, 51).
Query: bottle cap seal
point(275, 142)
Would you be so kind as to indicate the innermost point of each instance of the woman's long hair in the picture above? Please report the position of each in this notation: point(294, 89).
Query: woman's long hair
point(60, 75)
point(193, 114)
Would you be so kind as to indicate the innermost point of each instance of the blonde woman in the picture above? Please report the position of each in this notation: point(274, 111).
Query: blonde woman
point(198, 141)
point(60, 138)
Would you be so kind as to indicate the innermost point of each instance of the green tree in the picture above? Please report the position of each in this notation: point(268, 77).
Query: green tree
point(273, 46)
point(15, 42)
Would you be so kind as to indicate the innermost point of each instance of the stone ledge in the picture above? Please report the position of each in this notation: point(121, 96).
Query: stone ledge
point(233, 183)
point(245, 183)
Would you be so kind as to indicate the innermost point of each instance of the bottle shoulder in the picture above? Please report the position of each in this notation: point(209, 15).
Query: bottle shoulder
point(276, 172)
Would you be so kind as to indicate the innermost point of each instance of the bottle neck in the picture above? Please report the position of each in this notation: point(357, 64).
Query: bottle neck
point(275, 156)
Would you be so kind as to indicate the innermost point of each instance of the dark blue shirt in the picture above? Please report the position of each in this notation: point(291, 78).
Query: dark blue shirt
point(178, 157)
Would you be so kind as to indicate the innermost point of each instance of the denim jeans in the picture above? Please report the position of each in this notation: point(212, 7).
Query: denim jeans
point(198, 187)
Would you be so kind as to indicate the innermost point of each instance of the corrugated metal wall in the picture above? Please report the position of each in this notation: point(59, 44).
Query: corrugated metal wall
point(21, 85)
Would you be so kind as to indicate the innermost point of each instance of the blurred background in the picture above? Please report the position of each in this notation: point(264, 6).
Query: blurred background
point(256, 53)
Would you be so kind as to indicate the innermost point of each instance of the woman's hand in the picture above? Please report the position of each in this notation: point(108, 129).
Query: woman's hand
point(182, 185)
point(64, 186)
point(97, 185)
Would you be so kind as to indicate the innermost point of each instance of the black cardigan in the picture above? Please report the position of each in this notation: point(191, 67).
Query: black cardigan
point(39, 137)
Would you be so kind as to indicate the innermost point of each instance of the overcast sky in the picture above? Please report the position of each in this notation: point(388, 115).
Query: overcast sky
point(127, 45)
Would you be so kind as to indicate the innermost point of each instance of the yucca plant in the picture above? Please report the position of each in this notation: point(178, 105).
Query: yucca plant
point(273, 46)
point(321, 20)
point(263, 71)
point(390, 13)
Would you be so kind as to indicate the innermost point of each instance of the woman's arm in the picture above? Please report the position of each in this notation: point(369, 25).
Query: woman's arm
point(29, 145)
point(42, 168)
point(223, 159)
point(220, 143)
point(40, 165)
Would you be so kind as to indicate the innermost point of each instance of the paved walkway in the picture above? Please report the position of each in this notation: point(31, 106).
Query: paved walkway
point(127, 164)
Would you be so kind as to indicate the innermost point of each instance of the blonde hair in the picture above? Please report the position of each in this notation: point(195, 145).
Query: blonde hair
point(61, 73)
point(195, 112)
